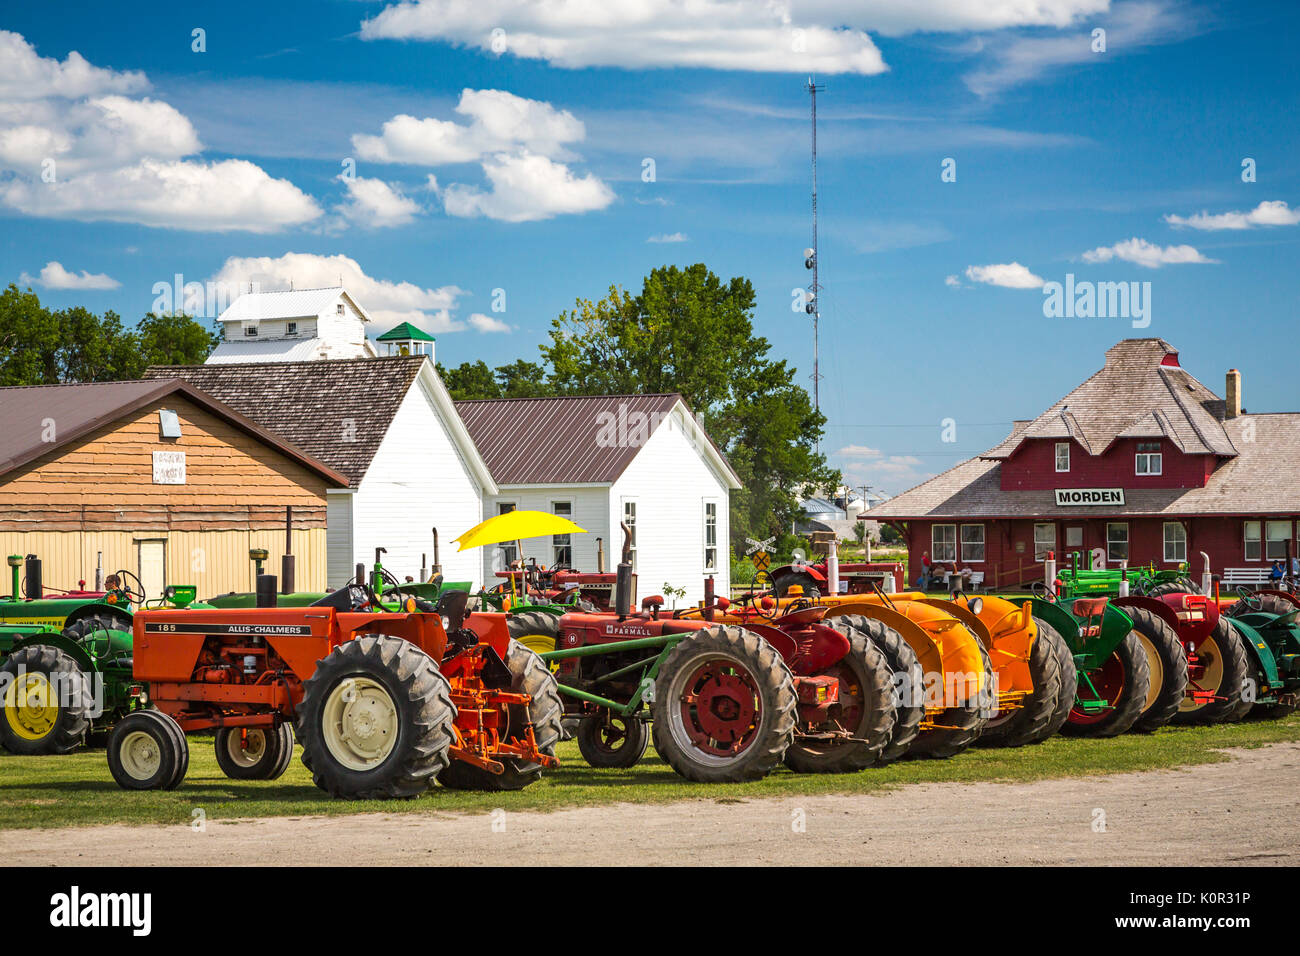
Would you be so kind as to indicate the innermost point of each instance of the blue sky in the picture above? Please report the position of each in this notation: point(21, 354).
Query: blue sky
point(224, 165)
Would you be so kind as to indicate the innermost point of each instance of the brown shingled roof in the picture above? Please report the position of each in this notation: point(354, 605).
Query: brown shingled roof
point(1135, 394)
point(520, 438)
point(338, 411)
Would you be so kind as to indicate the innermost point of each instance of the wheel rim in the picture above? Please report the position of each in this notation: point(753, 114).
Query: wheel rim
point(1157, 671)
point(540, 644)
point(612, 736)
point(717, 710)
point(31, 707)
point(360, 723)
point(1109, 683)
point(141, 755)
point(1204, 675)
point(246, 749)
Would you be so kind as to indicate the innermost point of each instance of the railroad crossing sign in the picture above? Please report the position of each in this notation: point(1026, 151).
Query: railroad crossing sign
point(762, 560)
point(759, 545)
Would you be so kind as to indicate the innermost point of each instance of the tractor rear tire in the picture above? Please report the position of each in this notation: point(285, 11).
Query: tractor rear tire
point(1167, 659)
point(864, 671)
point(376, 720)
point(1135, 673)
point(959, 726)
point(811, 589)
point(536, 630)
point(1268, 604)
point(1226, 649)
point(255, 754)
point(1179, 586)
point(754, 694)
point(1028, 723)
point(148, 751)
point(47, 710)
point(611, 741)
point(907, 678)
point(1069, 678)
point(530, 676)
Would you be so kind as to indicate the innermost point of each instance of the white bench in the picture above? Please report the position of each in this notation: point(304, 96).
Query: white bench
point(1253, 577)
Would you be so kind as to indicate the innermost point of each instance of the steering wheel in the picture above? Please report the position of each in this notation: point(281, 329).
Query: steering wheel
point(1250, 599)
point(135, 596)
point(754, 598)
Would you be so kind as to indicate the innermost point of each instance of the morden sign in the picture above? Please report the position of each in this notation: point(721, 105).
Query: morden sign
point(1065, 497)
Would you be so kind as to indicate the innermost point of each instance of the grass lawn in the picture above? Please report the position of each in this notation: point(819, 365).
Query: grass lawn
point(76, 789)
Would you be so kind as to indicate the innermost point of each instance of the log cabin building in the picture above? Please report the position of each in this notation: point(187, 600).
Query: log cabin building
point(157, 478)
point(1140, 463)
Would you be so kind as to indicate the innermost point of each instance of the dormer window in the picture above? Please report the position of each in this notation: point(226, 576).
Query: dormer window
point(339, 308)
point(291, 328)
point(250, 330)
point(1149, 460)
point(1062, 456)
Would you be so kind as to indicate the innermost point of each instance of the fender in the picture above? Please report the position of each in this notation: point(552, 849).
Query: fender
point(1059, 618)
point(1260, 651)
point(122, 614)
point(1154, 605)
point(65, 644)
point(812, 570)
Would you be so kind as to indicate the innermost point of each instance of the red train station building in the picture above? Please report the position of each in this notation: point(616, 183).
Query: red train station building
point(1140, 463)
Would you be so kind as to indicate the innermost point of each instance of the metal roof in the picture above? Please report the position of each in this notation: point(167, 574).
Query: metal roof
point(40, 419)
point(287, 304)
point(405, 332)
point(547, 441)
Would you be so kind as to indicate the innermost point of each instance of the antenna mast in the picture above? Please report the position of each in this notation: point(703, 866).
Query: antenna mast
point(813, 306)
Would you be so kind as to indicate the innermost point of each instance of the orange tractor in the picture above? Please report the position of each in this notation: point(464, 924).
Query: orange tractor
point(382, 702)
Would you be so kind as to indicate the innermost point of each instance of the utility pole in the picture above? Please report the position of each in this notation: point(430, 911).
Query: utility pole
point(812, 306)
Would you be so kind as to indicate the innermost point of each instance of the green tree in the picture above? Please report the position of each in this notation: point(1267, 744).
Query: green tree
point(470, 380)
point(690, 332)
point(522, 379)
point(29, 339)
point(174, 339)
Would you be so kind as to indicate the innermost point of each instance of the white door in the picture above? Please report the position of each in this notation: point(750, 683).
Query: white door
point(153, 567)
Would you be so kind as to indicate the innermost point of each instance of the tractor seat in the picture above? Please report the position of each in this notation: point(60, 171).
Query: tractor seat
point(1090, 607)
point(653, 602)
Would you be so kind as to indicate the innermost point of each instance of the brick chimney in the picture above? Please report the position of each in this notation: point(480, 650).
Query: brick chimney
point(1232, 394)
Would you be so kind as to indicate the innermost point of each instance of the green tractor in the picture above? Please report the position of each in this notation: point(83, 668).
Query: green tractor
point(1269, 623)
point(1075, 581)
point(65, 661)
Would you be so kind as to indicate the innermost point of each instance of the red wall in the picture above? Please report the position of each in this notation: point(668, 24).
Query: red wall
point(1221, 538)
point(1033, 467)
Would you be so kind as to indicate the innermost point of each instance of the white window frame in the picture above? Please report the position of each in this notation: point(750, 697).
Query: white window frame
point(339, 309)
point(625, 504)
point(291, 328)
point(1257, 540)
point(507, 549)
point(1181, 539)
point(962, 542)
point(250, 330)
point(1147, 459)
point(1269, 527)
point(710, 531)
point(1127, 541)
point(935, 544)
point(562, 541)
point(1041, 554)
point(1062, 446)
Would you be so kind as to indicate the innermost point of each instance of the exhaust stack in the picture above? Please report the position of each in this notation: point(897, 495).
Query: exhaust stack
point(623, 581)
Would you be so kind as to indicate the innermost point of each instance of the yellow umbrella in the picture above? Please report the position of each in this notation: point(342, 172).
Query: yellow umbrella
point(515, 526)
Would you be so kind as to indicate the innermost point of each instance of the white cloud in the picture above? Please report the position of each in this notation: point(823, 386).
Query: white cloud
point(1129, 27)
point(497, 121)
point(388, 302)
point(859, 451)
point(485, 323)
point(77, 145)
point(670, 237)
point(55, 276)
point(1268, 213)
point(1010, 275)
point(1146, 254)
point(375, 204)
point(517, 142)
point(952, 282)
point(754, 35)
point(524, 188)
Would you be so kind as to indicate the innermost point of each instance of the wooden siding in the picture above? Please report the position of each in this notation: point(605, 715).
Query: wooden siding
point(1033, 467)
point(105, 482)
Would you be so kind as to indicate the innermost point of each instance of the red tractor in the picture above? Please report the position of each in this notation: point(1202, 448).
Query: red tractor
point(382, 702)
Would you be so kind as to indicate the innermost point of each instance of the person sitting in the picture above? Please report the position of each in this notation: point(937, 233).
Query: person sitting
point(1276, 573)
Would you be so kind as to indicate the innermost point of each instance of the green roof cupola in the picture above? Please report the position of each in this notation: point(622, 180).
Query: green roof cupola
point(406, 339)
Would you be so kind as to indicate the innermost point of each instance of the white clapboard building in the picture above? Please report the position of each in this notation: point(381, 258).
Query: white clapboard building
point(291, 326)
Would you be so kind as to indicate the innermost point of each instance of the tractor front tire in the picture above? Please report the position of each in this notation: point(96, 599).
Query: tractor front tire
point(147, 750)
point(47, 702)
point(376, 720)
point(867, 704)
point(1028, 723)
point(1167, 661)
point(254, 754)
point(611, 741)
point(907, 678)
point(530, 676)
point(725, 706)
point(1127, 672)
